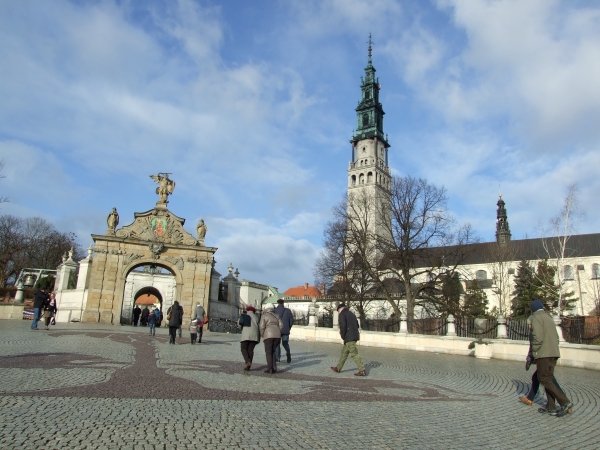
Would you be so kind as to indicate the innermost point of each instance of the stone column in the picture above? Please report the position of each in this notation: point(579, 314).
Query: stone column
point(84, 270)
point(403, 324)
point(336, 320)
point(64, 273)
point(451, 328)
point(19, 294)
point(558, 328)
point(502, 334)
point(313, 320)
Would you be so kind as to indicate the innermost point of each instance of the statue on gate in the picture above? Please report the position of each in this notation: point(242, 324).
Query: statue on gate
point(165, 186)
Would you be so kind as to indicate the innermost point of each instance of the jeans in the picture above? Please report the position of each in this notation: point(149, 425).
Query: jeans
point(152, 328)
point(179, 331)
point(285, 339)
point(350, 349)
point(36, 318)
point(535, 385)
point(270, 345)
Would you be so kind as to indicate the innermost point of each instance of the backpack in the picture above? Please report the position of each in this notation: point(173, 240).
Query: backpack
point(245, 320)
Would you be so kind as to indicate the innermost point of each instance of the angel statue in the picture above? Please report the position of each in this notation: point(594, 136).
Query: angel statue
point(165, 186)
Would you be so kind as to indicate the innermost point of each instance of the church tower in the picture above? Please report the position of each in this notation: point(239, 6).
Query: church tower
point(369, 173)
point(502, 229)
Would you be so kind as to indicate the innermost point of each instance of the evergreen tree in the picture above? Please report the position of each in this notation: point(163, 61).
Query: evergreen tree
point(525, 290)
point(476, 301)
point(451, 290)
point(547, 291)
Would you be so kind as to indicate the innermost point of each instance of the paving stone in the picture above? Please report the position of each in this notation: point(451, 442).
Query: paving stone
point(102, 386)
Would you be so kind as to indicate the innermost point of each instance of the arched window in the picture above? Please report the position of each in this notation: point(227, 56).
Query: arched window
point(568, 273)
point(361, 179)
point(365, 118)
point(370, 177)
point(353, 180)
point(481, 275)
point(595, 270)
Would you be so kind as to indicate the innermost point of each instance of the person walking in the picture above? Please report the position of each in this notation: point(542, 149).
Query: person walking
point(193, 331)
point(546, 354)
point(152, 319)
point(136, 315)
point(175, 317)
point(49, 309)
point(199, 315)
point(250, 337)
point(535, 383)
point(270, 327)
point(145, 314)
point(39, 301)
point(287, 318)
point(350, 335)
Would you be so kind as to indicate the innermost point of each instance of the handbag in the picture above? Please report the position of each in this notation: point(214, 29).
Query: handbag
point(205, 319)
point(169, 316)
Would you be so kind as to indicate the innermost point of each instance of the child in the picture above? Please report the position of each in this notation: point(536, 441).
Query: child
point(193, 331)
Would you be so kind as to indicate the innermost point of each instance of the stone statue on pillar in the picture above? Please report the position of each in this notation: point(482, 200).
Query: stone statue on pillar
point(112, 221)
point(201, 231)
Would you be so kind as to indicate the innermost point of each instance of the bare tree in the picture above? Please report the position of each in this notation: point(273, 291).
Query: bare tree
point(408, 237)
point(32, 242)
point(563, 226)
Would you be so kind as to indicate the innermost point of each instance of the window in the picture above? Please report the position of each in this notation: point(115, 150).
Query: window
point(370, 177)
point(353, 180)
point(481, 275)
point(568, 273)
point(595, 270)
point(361, 179)
point(365, 120)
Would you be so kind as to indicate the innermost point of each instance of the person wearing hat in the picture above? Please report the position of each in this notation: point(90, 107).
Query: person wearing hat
point(544, 344)
point(250, 337)
point(270, 326)
point(535, 383)
point(350, 335)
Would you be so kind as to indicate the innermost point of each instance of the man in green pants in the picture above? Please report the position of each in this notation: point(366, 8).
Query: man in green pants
point(350, 335)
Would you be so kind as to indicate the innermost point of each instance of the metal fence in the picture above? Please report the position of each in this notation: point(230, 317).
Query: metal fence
point(476, 328)
point(385, 325)
point(581, 330)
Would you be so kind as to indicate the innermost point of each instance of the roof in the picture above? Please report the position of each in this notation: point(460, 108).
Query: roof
point(303, 291)
point(581, 245)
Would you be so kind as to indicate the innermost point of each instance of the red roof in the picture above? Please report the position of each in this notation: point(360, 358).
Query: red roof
point(301, 291)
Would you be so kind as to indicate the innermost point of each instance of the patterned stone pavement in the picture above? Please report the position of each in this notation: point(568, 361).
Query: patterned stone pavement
point(96, 386)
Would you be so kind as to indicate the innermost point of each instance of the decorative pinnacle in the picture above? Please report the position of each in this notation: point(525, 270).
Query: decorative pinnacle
point(370, 43)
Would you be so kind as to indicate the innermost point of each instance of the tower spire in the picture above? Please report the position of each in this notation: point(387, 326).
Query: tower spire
point(370, 48)
point(502, 228)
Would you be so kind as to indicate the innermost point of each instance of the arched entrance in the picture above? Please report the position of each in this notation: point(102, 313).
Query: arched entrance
point(147, 285)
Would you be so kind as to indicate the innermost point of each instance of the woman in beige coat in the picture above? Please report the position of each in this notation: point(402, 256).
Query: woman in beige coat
point(270, 330)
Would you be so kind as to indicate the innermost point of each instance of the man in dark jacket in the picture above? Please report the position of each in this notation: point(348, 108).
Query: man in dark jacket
point(145, 314)
point(350, 335)
point(288, 322)
point(39, 301)
point(544, 344)
point(136, 315)
point(175, 320)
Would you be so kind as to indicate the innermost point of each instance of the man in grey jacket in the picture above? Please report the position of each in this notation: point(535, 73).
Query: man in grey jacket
point(350, 335)
point(546, 353)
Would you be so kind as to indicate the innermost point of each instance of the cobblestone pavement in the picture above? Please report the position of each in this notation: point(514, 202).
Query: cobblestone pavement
point(98, 386)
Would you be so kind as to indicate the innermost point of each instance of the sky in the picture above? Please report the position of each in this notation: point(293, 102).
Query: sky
point(250, 107)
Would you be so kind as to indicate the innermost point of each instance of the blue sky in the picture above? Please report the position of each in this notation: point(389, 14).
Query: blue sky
point(250, 106)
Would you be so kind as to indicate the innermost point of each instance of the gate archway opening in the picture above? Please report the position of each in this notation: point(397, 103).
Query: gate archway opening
point(147, 285)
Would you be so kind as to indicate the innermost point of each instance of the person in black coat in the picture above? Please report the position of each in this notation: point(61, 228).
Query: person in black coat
point(350, 335)
point(145, 314)
point(175, 316)
point(136, 315)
